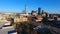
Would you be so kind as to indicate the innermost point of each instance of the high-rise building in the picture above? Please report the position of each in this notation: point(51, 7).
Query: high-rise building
point(26, 8)
point(42, 11)
point(25, 12)
point(39, 11)
point(34, 13)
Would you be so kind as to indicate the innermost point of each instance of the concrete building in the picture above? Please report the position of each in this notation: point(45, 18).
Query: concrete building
point(44, 14)
point(39, 18)
point(20, 19)
point(34, 13)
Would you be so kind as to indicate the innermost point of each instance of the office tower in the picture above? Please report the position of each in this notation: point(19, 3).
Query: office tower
point(39, 11)
point(42, 11)
point(26, 9)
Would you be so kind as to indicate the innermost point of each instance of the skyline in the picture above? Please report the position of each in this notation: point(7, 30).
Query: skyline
point(50, 6)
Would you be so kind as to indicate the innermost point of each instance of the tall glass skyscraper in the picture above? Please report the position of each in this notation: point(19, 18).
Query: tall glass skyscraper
point(39, 11)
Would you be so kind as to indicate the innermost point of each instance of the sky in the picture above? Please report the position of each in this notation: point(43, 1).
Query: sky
point(18, 6)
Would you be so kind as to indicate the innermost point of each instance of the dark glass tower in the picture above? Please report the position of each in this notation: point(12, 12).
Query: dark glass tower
point(39, 11)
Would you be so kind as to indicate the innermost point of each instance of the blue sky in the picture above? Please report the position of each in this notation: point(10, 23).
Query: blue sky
point(50, 6)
